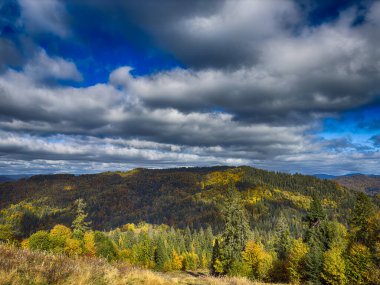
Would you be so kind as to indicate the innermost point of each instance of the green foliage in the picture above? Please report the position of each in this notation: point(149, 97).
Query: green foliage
point(143, 251)
point(316, 213)
point(6, 233)
point(282, 238)
point(215, 267)
point(257, 260)
point(362, 211)
point(236, 228)
point(58, 237)
point(296, 260)
point(314, 261)
point(334, 268)
point(359, 264)
point(40, 241)
point(104, 246)
point(80, 225)
point(161, 254)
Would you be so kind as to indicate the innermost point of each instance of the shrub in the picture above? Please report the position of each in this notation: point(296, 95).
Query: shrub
point(104, 246)
point(40, 241)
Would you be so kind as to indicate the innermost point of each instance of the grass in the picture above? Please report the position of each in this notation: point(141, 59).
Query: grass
point(19, 267)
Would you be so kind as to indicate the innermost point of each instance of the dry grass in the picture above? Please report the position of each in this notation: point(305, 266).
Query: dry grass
point(19, 267)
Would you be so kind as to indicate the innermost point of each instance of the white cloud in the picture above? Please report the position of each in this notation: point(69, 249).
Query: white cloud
point(42, 68)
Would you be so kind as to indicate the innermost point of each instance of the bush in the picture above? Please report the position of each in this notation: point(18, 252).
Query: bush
point(40, 241)
point(104, 246)
point(58, 237)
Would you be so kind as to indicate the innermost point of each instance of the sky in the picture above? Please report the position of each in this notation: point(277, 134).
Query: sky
point(286, 85)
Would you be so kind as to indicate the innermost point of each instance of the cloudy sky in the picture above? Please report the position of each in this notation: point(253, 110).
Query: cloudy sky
point(289, 85)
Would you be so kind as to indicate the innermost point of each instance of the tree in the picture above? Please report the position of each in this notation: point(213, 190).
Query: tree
point(176, 261)
point(80, 225)
point(334, 269)
point(215, 269)
point(362, 211)
point(143, 251)
point(6, 233)
point(236, 228)
point(314, 261)
point(89, 243)
point(316, 213)
point(73, 247)
point(282, 237)
point(374, 236)
point(258, 260)
point(58, 237)
point(161, 255)
point(40, 241)
point(359, 264)
point(104, 246)
point(296, 260)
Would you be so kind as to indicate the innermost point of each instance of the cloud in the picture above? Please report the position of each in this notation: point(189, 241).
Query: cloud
point(376, 140)
point(256, 82)
point(46, 69)
point(44, 16)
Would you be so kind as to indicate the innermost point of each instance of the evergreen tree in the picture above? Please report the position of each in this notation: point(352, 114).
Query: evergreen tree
point(215, 259)
point(362, 211)
point(80, 225)
point(236, 228)
point(161, 256)
point(316, 213)
point(314, 262)
point(359, 264)
point(282, 237)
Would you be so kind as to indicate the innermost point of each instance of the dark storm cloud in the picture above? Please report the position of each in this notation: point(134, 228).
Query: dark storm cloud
point(200, 33)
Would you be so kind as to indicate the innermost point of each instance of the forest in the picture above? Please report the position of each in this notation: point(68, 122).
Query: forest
point(237, 222)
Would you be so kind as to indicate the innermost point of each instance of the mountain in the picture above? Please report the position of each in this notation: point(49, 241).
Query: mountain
point(325, 176)
point(8, 178)
point(369, 184)
point(180, 197)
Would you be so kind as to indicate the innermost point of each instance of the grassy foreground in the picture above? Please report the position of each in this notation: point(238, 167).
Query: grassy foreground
point(19, 266)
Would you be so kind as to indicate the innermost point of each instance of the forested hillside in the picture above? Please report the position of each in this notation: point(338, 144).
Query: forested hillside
point(369, 184)
point(226, 221)
point(176, 197)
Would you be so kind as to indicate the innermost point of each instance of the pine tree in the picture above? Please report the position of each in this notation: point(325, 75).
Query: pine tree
point(359, 264)
point(316, 213)
point(215, 259)
point(236, 228)
point(362, 211)
point(282, 237)
point(80, 225)
point(161, 256)
point(314, 261)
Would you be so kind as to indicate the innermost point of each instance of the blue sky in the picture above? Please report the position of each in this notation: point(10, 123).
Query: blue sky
point(90, 86)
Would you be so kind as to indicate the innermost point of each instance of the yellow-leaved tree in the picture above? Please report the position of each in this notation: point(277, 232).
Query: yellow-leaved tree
point(334, 269)
point(89, 243)
point(257, 260)
point(296, 259)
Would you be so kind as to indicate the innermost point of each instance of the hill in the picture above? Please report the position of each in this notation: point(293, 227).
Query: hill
point(8, 178)
point(178, 197)
point(369, 184)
